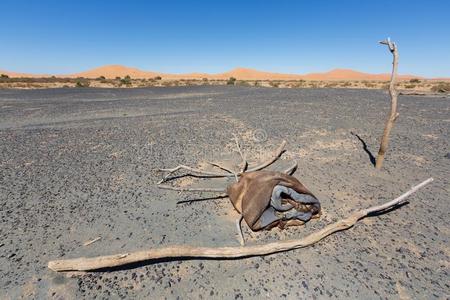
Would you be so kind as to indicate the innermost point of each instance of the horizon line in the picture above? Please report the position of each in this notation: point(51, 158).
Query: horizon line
point(228, 70)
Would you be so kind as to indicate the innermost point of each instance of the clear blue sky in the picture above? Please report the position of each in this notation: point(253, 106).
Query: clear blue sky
point(215, 36)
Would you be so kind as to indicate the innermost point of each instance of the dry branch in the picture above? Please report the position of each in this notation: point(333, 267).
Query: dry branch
point(183, 252)
point(261, 166)
point(244, 160)
point(190, 169)
point(221, 167)
point(270, 161)
point(92, 241)
point(239, 230)
point(225, 169)
point(186, 189)
point(393, 115)
point(291, 169)
point(216, 197)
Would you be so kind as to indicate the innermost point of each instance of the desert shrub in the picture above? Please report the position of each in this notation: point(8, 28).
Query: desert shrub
point(231, 81)
point(81, 83)
point(205, 79)
point(274, 84)
point(158, 78)
point(126, 80)
point(118, 78)
point(369, 84)
point(415, 80)
point(4, 76)
point(243, 83)
point(441, 87)
point(101, 78)
point(410, 86)
point(331, 84)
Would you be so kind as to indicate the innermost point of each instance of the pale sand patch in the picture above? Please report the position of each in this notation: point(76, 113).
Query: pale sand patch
point(430, 136)
point(59, 292)
point(316, 132)
point(414, 248)
point(416, 159)
point(185, 181)
point(29, 289)
point(402, 292)
point(116, 180)
point(115, 155)
point(338, 144)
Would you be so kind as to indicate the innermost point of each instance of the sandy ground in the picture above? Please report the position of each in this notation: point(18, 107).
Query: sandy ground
point(80, 163)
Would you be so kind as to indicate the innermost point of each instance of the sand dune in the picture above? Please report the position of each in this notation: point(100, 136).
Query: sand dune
point(113, 71)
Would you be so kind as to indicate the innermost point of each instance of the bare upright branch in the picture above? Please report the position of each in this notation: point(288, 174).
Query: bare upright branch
point(393, 115)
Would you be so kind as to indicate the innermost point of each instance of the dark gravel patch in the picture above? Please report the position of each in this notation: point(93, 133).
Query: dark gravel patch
point(80, 163)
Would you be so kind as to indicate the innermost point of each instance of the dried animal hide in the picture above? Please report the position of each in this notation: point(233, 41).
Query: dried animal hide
point(251, 196)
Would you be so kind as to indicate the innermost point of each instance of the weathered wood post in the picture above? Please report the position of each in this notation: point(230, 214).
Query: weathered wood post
point(393, 115)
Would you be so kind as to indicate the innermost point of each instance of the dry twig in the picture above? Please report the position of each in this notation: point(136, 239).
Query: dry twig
point(186, 189)
point(92, 241)
point(183, 252)
point(244, 160)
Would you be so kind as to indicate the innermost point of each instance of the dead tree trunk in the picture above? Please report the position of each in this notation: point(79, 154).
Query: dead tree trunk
point(393, 114)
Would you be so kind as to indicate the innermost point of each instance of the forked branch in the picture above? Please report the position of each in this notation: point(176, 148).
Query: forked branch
point(183, 252)
point(280, 150)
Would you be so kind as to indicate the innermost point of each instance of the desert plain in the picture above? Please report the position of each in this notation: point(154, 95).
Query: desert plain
point(78, 164)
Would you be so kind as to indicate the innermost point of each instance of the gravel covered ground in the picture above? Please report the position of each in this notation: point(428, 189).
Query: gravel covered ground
point(80, 163)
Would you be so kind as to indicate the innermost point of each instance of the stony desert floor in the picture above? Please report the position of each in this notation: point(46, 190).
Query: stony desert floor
point(77, 164)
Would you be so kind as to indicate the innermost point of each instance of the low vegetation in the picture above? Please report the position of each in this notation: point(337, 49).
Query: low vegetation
point(126, 80)
point(410, 86)
point(441, 87)
point(231, 81)
point(82, 83)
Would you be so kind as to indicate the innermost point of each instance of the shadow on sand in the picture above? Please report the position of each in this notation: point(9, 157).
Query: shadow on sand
point(371, 157)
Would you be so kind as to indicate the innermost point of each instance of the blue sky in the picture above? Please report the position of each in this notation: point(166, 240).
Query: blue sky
point(215, 36)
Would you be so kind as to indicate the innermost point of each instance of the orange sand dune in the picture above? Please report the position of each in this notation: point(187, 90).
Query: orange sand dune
point(27, 75)
point(347, 74)
point(113, 71)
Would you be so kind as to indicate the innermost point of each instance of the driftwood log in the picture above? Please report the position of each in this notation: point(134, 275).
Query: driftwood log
point(393, 115)
point(186, 252)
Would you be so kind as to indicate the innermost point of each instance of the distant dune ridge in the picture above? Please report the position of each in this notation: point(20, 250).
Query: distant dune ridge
point(113, 71)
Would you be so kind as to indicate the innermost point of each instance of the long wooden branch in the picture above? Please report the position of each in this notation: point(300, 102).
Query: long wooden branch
point(183, 252)
point(393, 115)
